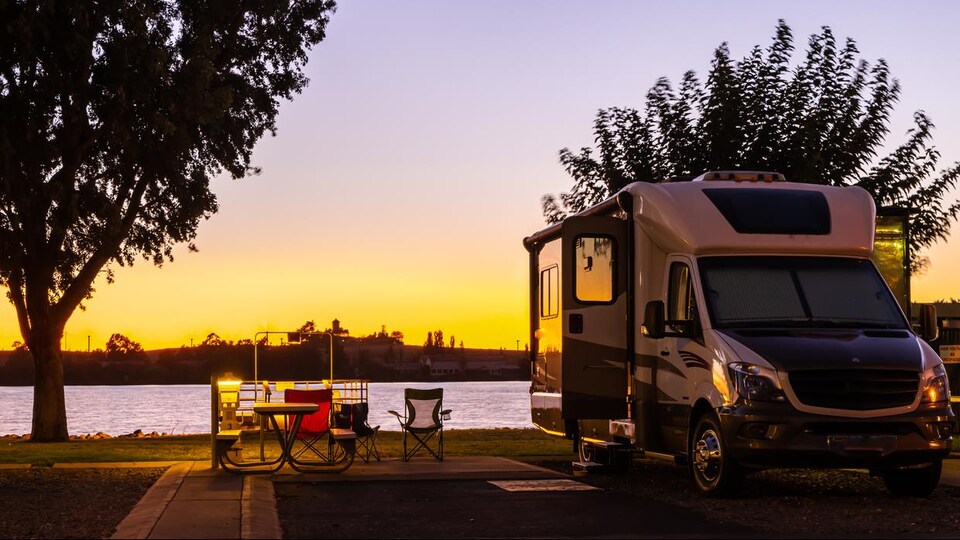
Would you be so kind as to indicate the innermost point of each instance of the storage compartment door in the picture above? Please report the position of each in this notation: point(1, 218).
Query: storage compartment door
point(594, 309)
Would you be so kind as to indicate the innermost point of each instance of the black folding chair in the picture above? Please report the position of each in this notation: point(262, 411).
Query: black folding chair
point(366, 435)
point(422, 420)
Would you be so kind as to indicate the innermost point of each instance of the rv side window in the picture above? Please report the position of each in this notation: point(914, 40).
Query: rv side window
point(681, 304)
point(550, 292)
point(594, 275)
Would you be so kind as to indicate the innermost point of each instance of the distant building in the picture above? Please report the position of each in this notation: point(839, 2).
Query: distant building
point(493, 366)
point(445, 368)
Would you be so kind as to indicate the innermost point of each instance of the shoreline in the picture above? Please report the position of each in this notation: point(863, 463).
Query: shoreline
point(444, 381)
point(140, 434)
point(100, 435)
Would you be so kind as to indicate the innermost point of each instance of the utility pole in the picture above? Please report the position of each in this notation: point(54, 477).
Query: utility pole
point(88, 342)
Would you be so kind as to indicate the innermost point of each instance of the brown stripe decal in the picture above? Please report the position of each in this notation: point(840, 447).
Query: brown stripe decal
point(693, 361)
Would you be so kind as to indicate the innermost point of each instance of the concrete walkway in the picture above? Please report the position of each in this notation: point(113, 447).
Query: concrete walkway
point(192, 500)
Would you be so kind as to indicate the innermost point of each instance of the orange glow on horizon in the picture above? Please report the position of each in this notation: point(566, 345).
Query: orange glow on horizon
point(185, 301)
point(484, 306)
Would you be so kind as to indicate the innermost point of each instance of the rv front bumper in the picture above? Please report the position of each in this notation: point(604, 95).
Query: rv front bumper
point(777, 435)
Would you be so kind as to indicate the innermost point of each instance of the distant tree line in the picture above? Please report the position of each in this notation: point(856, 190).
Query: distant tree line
point(123, 360)
point(435, 342)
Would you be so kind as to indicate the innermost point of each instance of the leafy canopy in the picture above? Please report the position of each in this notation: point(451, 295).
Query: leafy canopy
point(823, 121)
point(119, 346)
point(115, 115)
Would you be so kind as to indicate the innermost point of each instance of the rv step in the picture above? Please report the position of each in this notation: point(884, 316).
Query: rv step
point(581, 468)
point(609, 445)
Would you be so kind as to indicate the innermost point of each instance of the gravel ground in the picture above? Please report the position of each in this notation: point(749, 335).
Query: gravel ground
point(69, 503)
point(792, 503)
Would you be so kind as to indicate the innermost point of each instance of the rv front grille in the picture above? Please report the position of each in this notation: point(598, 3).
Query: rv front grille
point(855, 389)
point(862, 428)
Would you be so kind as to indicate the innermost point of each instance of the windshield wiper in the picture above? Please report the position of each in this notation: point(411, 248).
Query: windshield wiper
point(848, 323)
point(810, 323)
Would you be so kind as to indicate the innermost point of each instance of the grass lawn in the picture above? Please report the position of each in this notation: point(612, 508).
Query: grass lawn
point(516, 443)
point(457, 442)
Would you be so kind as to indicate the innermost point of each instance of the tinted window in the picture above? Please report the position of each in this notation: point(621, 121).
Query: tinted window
point(594, 268)
point(550, 292)
point(819, 292)
point(772, 211)
point(681, 302)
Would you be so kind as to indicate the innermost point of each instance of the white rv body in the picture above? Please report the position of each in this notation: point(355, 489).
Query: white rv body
point(732, 369)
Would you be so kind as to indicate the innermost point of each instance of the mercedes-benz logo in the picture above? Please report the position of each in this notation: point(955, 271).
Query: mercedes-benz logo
point(856, 360)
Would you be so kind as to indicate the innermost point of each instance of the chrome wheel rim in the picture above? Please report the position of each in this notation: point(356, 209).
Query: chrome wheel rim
point(586, 451)
point(707, 456)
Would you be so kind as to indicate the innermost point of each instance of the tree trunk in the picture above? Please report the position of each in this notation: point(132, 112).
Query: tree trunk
point(49, 406)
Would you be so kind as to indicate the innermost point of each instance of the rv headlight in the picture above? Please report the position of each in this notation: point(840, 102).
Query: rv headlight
point(935, 386)
point(755, 383)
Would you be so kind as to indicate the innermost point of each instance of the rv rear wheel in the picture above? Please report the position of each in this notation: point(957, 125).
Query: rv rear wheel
point(913, 481)
point(714, 472)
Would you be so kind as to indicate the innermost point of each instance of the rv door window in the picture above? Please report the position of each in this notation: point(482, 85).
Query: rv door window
point(550, 292)
point(594, 264)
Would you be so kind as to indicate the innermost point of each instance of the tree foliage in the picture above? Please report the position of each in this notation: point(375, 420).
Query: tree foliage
point(822, 121)
point(120, 346)
point(114, 117)
point(214, 340)
point(434, 342)
point(308, 327)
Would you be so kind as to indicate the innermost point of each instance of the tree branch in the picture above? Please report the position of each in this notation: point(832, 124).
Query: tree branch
point(16, 297)
point(81, 283)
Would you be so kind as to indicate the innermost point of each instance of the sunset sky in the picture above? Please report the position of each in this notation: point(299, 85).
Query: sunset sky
point(402, 180)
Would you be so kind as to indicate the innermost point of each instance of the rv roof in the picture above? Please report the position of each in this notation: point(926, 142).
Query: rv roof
point(755, 217)
point(741, 176)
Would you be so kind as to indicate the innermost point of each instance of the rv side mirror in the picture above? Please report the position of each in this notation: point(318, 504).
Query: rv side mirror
point(928, 322)
point(653, 320)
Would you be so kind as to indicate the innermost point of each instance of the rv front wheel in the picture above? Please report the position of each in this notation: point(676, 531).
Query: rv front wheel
point(714, 472)
point(913, 481)
point(588, 452)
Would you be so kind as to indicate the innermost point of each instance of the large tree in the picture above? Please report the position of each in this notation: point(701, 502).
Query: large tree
point(114, 117)
point(822, 121)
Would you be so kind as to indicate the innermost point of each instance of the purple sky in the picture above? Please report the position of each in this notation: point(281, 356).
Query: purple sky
point(401, 182)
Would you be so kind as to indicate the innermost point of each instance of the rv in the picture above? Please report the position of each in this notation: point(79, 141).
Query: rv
point(731, 323)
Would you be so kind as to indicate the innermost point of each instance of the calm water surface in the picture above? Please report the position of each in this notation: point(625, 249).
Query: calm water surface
point(181, 409)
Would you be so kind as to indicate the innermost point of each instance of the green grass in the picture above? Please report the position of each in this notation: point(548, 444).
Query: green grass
point(181, 448)
point(515, 443)
point(457, 442)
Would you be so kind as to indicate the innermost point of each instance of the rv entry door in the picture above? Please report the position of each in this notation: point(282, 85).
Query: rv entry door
point(594, 284)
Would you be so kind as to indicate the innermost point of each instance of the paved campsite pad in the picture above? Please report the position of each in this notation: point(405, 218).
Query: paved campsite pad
point(474, 508)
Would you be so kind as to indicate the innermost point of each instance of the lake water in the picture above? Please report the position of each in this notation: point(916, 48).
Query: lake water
point(182, 409)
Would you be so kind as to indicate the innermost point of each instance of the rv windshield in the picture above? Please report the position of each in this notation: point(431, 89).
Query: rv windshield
point(810, 292)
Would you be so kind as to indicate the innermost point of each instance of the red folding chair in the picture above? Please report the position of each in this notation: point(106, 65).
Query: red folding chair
point(315, 426)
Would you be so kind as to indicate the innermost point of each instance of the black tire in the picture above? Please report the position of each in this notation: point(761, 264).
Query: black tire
point(714, 472)
point(913, 481)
